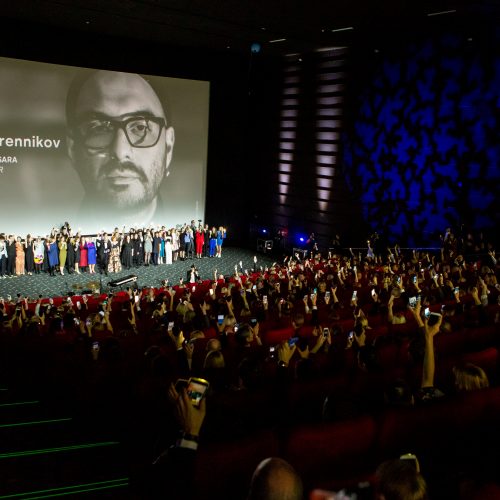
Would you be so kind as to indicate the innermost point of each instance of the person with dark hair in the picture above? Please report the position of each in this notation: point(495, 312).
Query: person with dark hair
point(29, 255)
point(103, 252)
point(3, 256)
point(120, 143)
point(11, 255)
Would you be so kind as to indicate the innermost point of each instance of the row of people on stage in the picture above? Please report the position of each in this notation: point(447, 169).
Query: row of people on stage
point(61, 251)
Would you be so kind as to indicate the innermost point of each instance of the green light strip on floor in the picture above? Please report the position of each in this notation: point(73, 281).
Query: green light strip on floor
point(28, 453)
point(20, 403)
point(35, 422)
point(70, 490)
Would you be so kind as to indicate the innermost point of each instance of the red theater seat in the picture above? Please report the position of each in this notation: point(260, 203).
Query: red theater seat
point(226, 468)
point(323, 453)
point(274, 337)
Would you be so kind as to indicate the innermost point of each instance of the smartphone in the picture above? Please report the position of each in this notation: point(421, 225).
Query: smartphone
point(194, 289)
point(373, 292)
point(398, 279)
point(427, 312)
point(326, 331)
point(77, 321)
point(95, 346)
point(220, 319)
point(351, 335)
point(293, 341)
point(253, 322)
point(196, 389)
point(254, 287)
point(354, 295)
point(78, 304)
point(327, 295)
point(264, 299)
point(412, 458)
point(412, 301)
point(415, 280)
point(235, 328)
point(136, 299)
point(457, 289)
point(211, 291)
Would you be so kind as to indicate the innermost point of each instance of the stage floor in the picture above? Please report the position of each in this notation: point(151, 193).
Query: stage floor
point(48, 286)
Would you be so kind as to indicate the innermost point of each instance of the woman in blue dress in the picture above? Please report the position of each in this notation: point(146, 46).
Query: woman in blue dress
point(161, 258)
point(221, 234)
point(212, 242)
point(53, 255)
point(91, 255)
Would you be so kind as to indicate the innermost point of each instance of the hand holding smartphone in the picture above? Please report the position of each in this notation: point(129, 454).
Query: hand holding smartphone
point(197, 389)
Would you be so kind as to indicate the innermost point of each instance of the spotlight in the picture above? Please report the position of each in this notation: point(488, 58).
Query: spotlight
point(301, 239)
point(255, 48)
point(264, 231)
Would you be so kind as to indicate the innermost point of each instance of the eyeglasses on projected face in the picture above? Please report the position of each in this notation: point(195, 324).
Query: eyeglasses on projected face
point(140, 131)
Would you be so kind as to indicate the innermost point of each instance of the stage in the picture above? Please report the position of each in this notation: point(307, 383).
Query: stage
point(49, 286)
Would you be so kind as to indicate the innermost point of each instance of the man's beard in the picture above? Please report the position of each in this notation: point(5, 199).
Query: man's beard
point(129, 199)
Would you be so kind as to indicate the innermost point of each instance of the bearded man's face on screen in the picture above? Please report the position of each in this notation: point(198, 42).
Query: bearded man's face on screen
point(119, 140)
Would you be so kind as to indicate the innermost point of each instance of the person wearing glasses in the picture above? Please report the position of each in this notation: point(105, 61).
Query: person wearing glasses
point(121, 144)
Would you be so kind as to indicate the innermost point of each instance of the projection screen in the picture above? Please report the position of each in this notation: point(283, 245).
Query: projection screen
point(121, 150)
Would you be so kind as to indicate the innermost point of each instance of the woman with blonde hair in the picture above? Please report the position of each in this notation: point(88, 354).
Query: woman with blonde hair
point(63, 249)
point(469, 377)
point(115, 265)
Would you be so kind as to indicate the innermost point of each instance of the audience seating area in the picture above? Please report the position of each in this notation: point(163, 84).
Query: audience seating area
point(121, 395)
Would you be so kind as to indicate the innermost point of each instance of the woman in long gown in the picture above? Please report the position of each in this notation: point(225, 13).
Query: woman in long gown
point(161, 257)
point(53, 255)
point(114, 266)
point(221, 234)
point(19, 256)
point(91, 255)
point(39, 253)
point(84, 262)
point(29, 255)
point(168, 249)
point(70, 255)
point(76, 245)
point(175, 244)
point(63, 250)
point(148, 248)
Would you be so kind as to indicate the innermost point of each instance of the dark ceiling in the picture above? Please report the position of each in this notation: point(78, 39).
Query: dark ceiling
point(233, 25)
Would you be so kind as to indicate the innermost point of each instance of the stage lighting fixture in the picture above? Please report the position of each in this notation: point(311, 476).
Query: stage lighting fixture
point(255, 48)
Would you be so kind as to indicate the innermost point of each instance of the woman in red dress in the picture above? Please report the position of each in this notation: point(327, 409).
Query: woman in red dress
point(84, 262)
point(199, 240)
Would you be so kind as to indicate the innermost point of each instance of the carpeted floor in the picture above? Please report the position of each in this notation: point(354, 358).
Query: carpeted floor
point(47, 286)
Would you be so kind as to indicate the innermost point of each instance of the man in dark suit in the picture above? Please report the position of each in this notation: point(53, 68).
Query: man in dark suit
point(103, 251)
point(192, 275)
point(11, 256)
